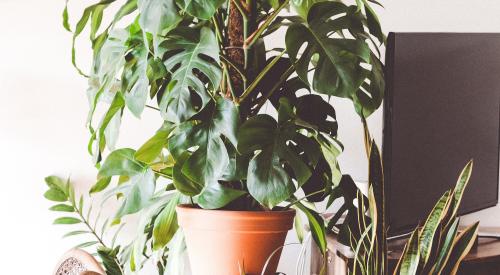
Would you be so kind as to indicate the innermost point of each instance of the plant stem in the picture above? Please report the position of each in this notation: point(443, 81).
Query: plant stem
point(260, 77)
point(92, 230)
point(255, 36)
point(278, 84)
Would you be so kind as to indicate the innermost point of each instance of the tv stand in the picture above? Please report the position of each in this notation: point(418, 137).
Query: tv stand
point(483, 259)
point(489, 232)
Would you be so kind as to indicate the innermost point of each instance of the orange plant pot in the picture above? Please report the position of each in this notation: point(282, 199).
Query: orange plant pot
point(220, 241)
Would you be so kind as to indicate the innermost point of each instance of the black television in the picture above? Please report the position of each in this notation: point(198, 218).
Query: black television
point(441, 108)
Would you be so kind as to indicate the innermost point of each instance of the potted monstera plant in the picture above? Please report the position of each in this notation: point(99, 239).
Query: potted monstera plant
point(248, 134)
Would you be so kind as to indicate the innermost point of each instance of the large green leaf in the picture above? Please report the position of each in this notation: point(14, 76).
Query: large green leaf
point(316, 225)
point(268, 181)
point(80, 25)
point(182, 183)
point(158, 16)
point(210, 159)
point(139, 188)
point(150, 150)
point(165, 224)
point(121, 162)
point(202, 9)
point(138, 196)
point(191, 56)
point(338, 68)
point(369, 96)
point(134, 81)
point(215, 196)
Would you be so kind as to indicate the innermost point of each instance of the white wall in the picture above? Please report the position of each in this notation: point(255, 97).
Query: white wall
point(43, 113)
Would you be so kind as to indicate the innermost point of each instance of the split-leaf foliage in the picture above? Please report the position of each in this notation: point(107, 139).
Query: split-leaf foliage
point(204, 67)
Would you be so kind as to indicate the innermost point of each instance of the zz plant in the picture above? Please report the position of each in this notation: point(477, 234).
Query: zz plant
point(205, 68)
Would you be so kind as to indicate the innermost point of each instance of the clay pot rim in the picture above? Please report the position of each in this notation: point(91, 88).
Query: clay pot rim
point(281, 211)
point(190, 216)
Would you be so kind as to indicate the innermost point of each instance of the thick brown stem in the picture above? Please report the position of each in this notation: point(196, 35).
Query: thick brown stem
point(236, 53)
point(235, 50)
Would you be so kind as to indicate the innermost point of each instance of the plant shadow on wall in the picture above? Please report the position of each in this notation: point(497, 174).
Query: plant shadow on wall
point(203, 66)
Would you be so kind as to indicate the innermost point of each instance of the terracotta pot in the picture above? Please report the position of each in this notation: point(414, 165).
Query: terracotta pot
point(219, 241)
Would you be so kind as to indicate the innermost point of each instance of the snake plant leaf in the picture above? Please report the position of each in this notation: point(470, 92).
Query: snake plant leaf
point(338, 69)
point(446, 248)
point(209, 161)
point(121, 162)
point(158, 16)
point(139, 195)
point(191, 57)
point(202, 9)
point(216, 195)
point(150, 150)
point(182, 183)
point(165, 224)
point(460, 186)
point(411, 256)
point(428, 231)
point(461, 247)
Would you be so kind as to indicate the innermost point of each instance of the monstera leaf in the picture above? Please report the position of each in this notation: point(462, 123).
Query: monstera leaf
point(139, 189)
point(158, 16)
point(371, 93)
point(192, 57)
point(267, 180)
point(337, 60)
point(202, 9)
point(209, 161)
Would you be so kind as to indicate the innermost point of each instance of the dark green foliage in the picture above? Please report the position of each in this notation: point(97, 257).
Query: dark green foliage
point(210, 79)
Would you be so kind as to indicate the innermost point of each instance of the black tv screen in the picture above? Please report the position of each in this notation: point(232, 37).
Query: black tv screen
point(442, 108)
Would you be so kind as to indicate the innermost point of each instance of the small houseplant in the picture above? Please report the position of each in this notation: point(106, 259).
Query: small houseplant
point(203, 65)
